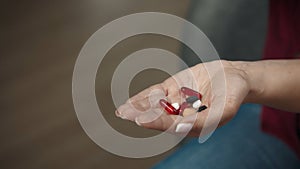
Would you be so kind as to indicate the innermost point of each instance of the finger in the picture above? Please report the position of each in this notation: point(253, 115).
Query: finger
point(162, 122)
point(130, 110)
point(158, 88)
point(192, 123)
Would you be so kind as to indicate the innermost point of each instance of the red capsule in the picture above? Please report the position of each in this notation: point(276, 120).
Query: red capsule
point(183, 106)
point(168, 107)
point(190, 92)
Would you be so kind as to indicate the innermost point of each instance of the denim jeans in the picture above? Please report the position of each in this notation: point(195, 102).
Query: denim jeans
point(237, 145)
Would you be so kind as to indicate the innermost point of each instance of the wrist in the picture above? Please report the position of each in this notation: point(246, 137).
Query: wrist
point(253, 73)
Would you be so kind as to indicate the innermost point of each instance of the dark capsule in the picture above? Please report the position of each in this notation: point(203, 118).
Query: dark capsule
point(201, 108)
point(191, 99)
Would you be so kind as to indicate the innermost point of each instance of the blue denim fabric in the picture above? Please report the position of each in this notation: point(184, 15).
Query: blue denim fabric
point(239, 144)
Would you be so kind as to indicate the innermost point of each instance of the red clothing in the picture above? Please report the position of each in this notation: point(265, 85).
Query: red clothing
point(283, 41)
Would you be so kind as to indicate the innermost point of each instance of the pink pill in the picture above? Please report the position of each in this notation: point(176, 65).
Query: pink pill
point(190, 92)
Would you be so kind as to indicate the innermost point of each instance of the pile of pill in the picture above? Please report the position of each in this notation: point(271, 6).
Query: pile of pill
point(191, 105)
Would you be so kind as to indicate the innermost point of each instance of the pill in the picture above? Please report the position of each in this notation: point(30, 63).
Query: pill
point(183, 106)
point(197, 104)
point(188, 111)
point(201, 108)
point(190, 92)
point(191, 99)
point(176, 105)
point(168, 107)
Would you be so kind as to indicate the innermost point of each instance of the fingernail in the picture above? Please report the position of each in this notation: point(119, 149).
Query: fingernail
point(183, 127)
point(137, 122)
point(123, 117)
point(118, 114)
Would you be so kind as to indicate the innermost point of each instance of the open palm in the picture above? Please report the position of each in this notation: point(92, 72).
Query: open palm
point(224, 88)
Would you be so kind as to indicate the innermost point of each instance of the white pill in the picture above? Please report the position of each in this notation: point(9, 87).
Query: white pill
point(176, 105)
point(197, 104)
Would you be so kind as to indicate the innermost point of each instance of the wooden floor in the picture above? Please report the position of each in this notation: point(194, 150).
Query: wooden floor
point(39, 43)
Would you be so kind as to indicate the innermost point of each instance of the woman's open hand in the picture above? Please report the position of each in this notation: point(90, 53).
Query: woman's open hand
point(224, 89)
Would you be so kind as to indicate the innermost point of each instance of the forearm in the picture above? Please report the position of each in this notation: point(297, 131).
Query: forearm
point(275, 83)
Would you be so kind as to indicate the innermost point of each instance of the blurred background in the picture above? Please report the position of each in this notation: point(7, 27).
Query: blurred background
point(39, 44)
